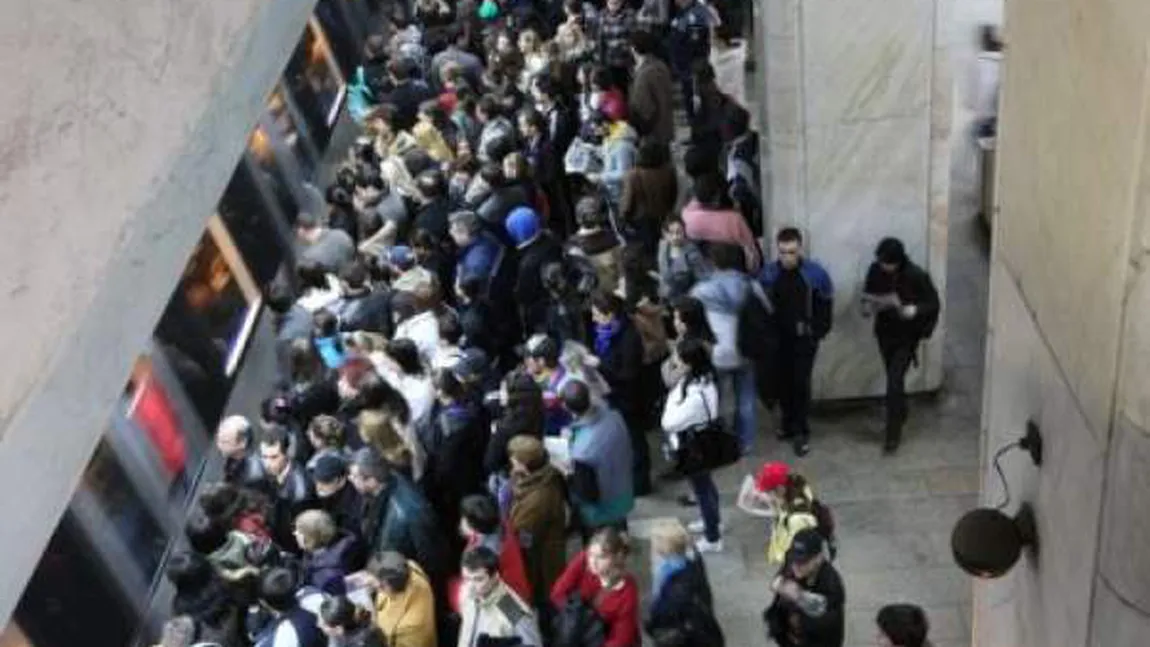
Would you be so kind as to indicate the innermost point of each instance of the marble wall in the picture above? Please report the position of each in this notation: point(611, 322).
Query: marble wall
point(858, 103)
point(120, 125)
point(1067, 346)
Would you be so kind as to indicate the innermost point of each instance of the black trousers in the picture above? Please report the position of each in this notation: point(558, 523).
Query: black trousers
point(796, 360)
point(897, 355)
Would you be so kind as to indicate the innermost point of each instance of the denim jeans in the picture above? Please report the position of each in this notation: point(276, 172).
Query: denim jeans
point(708, 497)
point(738, 399)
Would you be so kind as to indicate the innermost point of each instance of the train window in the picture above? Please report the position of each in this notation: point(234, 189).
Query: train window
point(269, 174)
point(315, 83)
point(340, 20)
point(220, 291)
point(289, 141)
point(252, 225)
point(73, 597)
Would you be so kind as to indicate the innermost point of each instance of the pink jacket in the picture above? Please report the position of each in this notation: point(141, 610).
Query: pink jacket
point(721, 226)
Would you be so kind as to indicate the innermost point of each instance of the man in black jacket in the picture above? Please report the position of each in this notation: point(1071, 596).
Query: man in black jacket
point(619, 348)
point(292, 487)
point(802, 294)
point(536, 247)
point(906, 306)
point(336, 495)
point(361, 307)
point(808, 609)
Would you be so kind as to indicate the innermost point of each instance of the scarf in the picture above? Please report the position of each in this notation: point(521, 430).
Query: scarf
point(604, 335)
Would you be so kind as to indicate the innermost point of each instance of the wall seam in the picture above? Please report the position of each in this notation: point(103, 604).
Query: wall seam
point(1116, 377)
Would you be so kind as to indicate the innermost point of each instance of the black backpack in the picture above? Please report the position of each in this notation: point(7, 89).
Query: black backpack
point(756, 334)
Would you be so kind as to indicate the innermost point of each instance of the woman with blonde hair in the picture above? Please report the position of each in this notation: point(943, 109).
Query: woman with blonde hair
point(381, 431)
point(598, 577)
point(329, 554)
point(680, 610)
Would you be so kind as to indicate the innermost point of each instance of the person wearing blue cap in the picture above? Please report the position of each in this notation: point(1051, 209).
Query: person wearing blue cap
point(537, 248)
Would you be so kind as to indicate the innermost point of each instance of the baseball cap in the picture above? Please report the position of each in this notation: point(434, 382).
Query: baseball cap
point(806, 544)
point(772, 475)
point(329, 467)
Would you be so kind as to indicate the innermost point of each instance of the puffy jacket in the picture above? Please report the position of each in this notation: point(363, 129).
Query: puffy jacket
point(690, 405)
point(407, 617)
point(325, 568)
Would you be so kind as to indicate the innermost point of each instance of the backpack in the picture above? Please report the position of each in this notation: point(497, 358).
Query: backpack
point(825, 525)
point(755, 332)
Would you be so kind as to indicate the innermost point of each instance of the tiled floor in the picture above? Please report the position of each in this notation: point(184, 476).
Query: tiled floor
point(894, 515)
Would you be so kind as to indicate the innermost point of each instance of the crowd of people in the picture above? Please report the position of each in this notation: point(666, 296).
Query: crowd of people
point(509, 297)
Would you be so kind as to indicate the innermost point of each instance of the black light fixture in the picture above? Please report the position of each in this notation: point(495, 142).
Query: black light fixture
point(986, 541)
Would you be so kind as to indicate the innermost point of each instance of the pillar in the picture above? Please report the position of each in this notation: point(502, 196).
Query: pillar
point(856, 104)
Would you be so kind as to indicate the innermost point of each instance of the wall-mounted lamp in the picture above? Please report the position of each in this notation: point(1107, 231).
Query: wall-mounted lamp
point(986, 542)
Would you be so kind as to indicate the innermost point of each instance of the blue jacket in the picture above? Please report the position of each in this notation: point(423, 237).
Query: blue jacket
point(818, 315)
point(601, 444)
point(480, 258)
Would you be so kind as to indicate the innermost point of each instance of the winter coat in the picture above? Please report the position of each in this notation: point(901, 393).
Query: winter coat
point(681, 611)
point(652, 108)
point(826, 630)
point(913, 286)
point(365, 310)
point(529, 291)
point(326, 567)
point(649, 195)
point(622, 364)
point(601, 444)
point(480, 258)
point(401, 519)
point(815, 317)
point(407, 617)
point(500, 615)
point(345, 508)
point(538, 517)
point(455, 458)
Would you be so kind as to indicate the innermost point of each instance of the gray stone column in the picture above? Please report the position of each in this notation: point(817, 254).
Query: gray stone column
point(857, 106)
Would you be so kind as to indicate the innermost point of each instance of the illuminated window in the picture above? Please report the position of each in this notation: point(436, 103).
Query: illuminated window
point(315, 83)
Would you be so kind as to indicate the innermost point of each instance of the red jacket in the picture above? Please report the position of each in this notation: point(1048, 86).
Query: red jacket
point(619, 608)
point(512, 569)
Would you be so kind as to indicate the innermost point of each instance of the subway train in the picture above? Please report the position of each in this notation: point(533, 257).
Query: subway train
point(99, 581)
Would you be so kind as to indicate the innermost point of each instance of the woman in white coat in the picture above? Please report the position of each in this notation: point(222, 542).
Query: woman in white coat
point(694, 402)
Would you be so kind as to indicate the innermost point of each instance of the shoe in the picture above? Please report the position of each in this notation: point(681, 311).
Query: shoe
point(697, 527)
point(802, 447)
point(704, 546)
